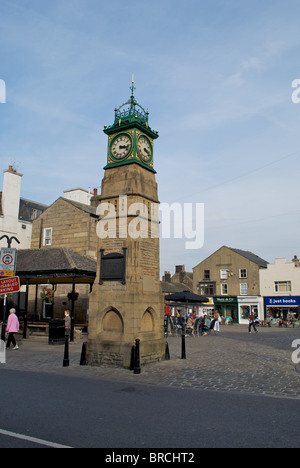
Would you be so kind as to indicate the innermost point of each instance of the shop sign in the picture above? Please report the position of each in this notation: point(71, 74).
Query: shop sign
point(282, 301)
point(225, 300)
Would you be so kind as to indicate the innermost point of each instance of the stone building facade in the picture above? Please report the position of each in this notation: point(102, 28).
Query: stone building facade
point(231, 277)
point(16, 213)
point(72, 225)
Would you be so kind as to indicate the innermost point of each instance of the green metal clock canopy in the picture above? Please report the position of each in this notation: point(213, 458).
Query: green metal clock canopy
point(131, 114)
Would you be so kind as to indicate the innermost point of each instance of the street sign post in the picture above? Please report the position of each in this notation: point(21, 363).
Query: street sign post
point(7, 286)
point(8, 266)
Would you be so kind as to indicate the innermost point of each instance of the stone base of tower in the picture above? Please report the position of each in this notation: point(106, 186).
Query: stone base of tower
point(112, 354)
point(114, 325)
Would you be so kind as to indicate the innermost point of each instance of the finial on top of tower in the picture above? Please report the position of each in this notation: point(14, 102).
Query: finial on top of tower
point(132, 87)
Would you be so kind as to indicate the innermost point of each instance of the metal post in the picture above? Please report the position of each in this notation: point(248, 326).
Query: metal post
point(137, 365)
point(66, 361)
point(83, 355)
point(167, 354)
point(132, 359)
point(26, 310)
point(4, 318)
point(73, 311)
point(9, 242)
point(183, 353)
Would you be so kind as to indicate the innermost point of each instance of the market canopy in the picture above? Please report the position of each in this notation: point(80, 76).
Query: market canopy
point(186, 297)
point(56, 265)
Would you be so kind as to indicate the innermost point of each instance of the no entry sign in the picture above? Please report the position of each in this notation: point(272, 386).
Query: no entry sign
point(9, 285)
point(8, 258)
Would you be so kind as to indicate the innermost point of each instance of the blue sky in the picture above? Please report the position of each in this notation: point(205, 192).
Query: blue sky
point(216, 76)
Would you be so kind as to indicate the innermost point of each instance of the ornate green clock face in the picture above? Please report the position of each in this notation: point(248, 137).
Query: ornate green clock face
point(144, 149)
point(121, 146)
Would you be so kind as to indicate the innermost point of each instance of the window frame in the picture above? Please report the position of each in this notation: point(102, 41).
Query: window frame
point(243, 273)
point(279, 284)
point(224, 285)
point(244, 289)
point(222, 274)
point(48, 237)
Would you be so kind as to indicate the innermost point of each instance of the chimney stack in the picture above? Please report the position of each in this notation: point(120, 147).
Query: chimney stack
point(167, 277)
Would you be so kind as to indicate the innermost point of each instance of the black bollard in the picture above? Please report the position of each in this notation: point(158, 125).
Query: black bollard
point(66, 361)
point(25, 327)
point(183, 353)
point(132, 359)
point(83, 355)
point(167, 355)
point(137, 366)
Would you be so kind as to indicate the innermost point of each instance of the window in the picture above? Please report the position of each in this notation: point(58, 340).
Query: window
point(224, 289)
point(207, 289)
point(47, 236)
point(244, 289)
point(283, 286)
point(34, 213)
point(243, 273)
point(223, 274)
point(207, 274)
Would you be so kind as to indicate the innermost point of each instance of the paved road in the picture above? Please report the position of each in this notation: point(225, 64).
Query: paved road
point(83, 412)
point(233, 390)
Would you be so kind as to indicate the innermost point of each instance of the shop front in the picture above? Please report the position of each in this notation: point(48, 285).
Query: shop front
point(282, 308)
point(227, 307)
point(249, 305)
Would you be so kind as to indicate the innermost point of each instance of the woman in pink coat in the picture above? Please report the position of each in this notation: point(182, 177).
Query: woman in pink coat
point(12, 328)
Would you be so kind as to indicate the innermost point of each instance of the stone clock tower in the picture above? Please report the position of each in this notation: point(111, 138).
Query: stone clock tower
point(127, 302)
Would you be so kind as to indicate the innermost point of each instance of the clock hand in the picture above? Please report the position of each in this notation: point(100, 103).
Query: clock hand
point(123, 146)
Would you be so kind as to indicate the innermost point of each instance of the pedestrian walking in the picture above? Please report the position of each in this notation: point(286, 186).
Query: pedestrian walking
point(12, 327)
point(252, 322)
point(67, 323)
point(218, 319)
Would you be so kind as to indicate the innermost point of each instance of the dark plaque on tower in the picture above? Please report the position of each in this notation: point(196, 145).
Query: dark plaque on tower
point(113, 267)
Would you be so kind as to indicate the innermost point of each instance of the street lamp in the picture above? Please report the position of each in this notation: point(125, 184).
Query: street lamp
point(9, 240)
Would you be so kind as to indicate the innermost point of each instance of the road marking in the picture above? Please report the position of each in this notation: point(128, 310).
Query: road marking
point(32, 439)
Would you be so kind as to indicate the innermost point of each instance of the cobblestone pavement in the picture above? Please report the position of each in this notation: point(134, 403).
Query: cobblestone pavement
point(233, 361)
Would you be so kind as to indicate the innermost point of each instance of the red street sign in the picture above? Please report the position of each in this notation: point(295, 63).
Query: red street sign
point(9, 285)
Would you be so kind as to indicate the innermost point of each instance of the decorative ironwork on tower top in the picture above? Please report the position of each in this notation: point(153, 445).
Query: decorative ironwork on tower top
point(131, 113)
